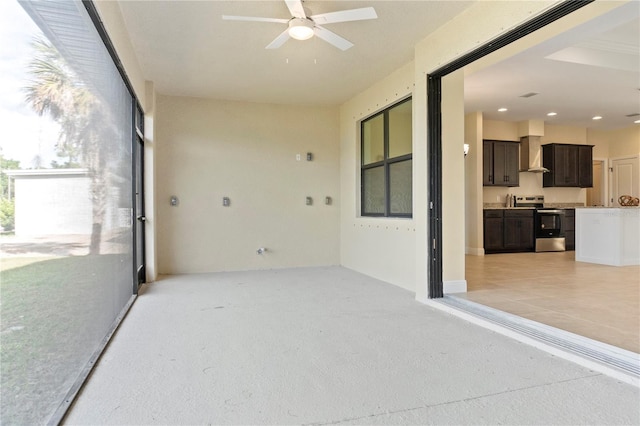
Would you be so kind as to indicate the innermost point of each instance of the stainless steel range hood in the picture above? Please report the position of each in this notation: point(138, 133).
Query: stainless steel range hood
point(531, 155)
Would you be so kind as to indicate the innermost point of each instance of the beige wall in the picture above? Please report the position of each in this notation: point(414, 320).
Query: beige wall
point(112, 20)
point(500, 130)
point(207, 150)
point(387, 248)
point(381, 248)
point(453, 247)
point(618, 143)
point(473, 194)
point(151, 242)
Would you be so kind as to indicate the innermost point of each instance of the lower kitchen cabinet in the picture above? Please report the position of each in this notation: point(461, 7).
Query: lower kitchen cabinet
point(518, 230)
point(569, 226)
point(493, 231)
point(508, 231)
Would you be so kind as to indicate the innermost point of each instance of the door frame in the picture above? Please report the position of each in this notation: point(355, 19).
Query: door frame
point(605, 179)
point(434, 129)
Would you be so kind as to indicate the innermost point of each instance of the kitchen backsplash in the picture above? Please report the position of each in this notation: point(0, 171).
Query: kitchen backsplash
point(531, 184)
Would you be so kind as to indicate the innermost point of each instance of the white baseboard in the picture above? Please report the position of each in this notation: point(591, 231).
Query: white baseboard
point(474, 251)
point(457, 286)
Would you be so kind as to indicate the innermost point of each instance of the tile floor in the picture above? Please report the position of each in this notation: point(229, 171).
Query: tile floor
point(596, 301)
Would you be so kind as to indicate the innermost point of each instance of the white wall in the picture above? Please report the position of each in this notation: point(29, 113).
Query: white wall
point(208, 149)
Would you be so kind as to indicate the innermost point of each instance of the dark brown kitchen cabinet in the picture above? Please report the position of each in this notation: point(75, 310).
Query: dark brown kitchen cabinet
point(501, 163)
point(569, 165)
point(585, 166)
point(493, 231)
point(569, 226)
point(508, 230)
point(518, 230)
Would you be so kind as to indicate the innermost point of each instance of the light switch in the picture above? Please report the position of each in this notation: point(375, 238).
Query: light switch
point(328, 200)
point(309, 156)
point(226, 201)
point(309, 201)
point(174, 201)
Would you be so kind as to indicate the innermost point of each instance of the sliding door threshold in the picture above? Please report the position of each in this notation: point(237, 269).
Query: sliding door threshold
point(619, 363)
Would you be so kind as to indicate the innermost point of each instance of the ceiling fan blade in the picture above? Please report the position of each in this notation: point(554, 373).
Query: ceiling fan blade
point(254, 19)
point(279, 41)
point(296, 9)
point(345, 15)
point(332, 38)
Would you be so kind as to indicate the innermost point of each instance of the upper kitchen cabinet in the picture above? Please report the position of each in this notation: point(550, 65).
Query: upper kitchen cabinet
point(569, 165)
point(501, 161)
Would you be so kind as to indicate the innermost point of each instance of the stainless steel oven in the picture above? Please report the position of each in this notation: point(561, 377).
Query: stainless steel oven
point(549, 232)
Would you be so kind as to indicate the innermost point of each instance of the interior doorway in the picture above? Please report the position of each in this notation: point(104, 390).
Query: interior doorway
point(596, 196)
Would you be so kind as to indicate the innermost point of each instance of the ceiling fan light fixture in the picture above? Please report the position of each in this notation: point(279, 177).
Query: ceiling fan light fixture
point(300, 29)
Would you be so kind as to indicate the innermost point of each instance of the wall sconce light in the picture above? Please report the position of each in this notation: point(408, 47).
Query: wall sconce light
point(466, 149)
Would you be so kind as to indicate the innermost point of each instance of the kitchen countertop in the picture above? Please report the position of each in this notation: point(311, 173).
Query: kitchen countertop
point(501, 206)
point(605, 207)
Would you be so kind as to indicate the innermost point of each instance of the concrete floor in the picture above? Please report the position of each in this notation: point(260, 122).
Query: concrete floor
point(325, 346)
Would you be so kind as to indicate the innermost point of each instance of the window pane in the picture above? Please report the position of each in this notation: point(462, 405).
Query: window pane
point(373, 190)
point(400, 187)
point(400, 130)
point(66, 246)
point(373, 140)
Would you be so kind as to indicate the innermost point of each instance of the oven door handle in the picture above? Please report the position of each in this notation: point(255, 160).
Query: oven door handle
point(551, 211)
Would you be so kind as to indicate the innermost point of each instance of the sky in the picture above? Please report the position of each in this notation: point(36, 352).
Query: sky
point(24, 133)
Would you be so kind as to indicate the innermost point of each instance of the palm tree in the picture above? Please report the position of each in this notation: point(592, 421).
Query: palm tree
point(56, 90)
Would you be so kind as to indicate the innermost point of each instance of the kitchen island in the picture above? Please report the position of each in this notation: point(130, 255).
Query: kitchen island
point(608, 235)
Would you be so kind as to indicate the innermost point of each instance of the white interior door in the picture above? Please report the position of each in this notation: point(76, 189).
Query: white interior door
point(625, 179)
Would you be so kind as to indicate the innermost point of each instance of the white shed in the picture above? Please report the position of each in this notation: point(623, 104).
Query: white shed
point(52, 201)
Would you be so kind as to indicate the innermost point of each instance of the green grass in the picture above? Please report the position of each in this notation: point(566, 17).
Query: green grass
point(54, 313)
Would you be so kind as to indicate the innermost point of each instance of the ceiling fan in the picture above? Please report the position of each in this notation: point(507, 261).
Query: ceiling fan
point(303, 26)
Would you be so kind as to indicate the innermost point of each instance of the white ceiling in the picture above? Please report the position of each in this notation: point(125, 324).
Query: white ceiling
point(590, 70)
point(186, 49)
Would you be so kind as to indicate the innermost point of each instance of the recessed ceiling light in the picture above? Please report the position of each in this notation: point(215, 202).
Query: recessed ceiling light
point(551, 114)
point(502, 109)
point(637, 121)
point(597, 117)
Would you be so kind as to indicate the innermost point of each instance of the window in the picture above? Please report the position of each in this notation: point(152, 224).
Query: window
point(386, 162)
